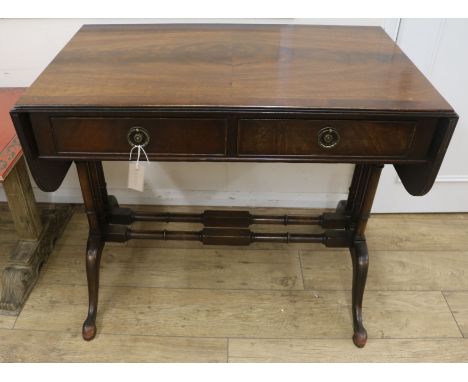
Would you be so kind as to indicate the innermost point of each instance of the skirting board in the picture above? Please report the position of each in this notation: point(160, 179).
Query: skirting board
point(433, 202)
point(200, 198)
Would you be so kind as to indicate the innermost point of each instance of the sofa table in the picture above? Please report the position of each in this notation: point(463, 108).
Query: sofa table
point(237, 93)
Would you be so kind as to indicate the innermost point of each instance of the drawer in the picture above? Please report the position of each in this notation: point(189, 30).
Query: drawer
point(328, 138)
point(167, 136)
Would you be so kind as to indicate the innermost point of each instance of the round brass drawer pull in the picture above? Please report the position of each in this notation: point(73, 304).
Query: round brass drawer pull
point(138, 136)
point(328, 137)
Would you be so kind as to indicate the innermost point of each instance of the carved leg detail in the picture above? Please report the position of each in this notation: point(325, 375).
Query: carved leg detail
point(37, 233)
point(359, 205)
point(94, 192)
point(93, 259)
point(360, 258)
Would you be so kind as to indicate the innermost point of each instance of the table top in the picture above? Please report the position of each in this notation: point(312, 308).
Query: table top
point(233, 66)
point(10, 149)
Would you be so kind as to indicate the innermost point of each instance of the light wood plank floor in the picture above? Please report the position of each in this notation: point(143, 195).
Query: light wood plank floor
point(181, 302)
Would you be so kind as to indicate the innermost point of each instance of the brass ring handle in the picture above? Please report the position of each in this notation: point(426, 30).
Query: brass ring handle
point(138, 136)
point(328, 137)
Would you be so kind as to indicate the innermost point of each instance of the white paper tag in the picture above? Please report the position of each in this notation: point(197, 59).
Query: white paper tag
point(136, 176)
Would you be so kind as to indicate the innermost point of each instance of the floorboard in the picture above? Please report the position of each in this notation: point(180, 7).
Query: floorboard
point(182, 302)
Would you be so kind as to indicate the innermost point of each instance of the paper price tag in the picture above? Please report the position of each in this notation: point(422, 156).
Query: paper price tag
point(136, 176)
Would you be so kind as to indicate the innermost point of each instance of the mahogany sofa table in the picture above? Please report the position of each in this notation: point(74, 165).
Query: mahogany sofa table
point(250, 93)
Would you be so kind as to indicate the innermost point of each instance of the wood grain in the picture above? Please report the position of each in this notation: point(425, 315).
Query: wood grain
point(458, 303)
point(43, 346)
point(228, 313)
point(179, 268)
point(5, 215)
point(259, 137)
point(7, 322)
point(412, 324)
point(168, 135)
point(8, 237)
point(418, 232)
point(23, 207)
point(292, 66)
point(5, 250)
point(78, 233)
point(388, 270)
point(377, 350)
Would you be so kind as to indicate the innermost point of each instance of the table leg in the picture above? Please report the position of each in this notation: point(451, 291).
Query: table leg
point(37, 233)
point(102, 209)
point(349, 205)
point(22, 203)
point(93, 188)
point(360, 259)
point(345, 208)
point(93, 260)
point(102, 183)
point(359, 205)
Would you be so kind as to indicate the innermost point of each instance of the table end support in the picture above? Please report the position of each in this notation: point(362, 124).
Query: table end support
point(360, 259)
point(93, 259)
point(358, 206)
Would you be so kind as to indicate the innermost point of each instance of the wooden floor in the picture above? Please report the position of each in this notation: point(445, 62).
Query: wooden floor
point(180, 301)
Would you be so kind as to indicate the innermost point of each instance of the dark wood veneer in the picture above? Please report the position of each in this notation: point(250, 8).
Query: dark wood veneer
point(234, 93)
point(172, 136)
point(292, 66)
point(281, 137)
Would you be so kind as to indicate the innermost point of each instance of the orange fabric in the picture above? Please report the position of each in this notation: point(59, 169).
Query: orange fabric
point(10, 149)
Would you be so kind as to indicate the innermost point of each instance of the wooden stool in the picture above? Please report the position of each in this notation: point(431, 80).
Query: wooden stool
point(37, 233)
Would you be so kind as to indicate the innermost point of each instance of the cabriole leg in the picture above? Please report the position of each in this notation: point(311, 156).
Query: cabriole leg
point(93, 260)
point(360, 258)
point(359, 205)
point(95, 197)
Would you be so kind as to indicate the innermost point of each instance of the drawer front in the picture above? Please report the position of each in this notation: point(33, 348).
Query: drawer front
point(167, 136)
point(296, 137)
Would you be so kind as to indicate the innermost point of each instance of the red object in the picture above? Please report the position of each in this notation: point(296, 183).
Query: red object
point(10, 148)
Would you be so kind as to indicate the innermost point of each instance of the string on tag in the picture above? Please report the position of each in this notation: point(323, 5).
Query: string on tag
point(140, 149)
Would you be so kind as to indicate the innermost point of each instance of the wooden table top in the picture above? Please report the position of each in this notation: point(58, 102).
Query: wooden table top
point(234, 66)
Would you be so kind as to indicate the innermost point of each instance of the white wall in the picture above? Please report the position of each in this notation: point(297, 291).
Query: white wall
point(27, 46)
point(439, 47)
